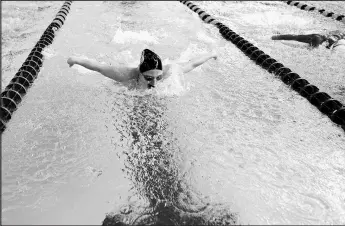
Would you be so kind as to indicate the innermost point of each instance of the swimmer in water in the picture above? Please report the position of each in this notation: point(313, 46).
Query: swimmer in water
point(149, 71)
point(333, 40)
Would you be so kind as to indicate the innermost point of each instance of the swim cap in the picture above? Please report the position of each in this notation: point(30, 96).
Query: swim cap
point(149, 61)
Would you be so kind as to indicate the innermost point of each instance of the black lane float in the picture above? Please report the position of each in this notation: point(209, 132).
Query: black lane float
point(28, 72)
point(324, 102)
point(305, 7)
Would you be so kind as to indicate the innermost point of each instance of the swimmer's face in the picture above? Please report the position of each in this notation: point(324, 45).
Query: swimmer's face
point(151, 77)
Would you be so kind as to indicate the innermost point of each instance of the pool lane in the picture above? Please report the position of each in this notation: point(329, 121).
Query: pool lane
point(244, 139)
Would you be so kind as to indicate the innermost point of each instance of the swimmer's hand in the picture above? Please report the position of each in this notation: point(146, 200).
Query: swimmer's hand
point(196, 62)
point(71, 61)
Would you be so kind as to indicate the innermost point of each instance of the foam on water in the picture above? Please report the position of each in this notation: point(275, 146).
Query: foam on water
point(202, 36)
point(49, 52)
point(175, 84)
point(122, 37)
point(270, 18)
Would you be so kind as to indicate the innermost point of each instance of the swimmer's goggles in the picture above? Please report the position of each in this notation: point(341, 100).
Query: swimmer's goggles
point(150, 78)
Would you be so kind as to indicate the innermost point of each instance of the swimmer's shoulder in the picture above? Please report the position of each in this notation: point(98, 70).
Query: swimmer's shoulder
point(125, 72)
point(169, 68)
point(172, 66)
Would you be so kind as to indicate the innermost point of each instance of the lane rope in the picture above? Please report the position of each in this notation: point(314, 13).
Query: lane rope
point(305, 7)
point(28, 72)
point(324, 102)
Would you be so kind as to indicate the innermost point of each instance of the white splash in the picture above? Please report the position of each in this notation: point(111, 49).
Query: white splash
point(205, 38)
point(175, 84)
point(271, 19)
point(49, 52)
point(122, 37)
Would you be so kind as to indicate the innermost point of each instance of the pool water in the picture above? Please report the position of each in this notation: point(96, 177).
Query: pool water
point(81, 145)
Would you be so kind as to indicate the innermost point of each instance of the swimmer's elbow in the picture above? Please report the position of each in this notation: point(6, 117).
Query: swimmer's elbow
point(188, 67)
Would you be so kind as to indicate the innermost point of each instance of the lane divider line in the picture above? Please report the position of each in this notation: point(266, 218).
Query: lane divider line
point(305, 7)
point(28, 72)
point(324, 102)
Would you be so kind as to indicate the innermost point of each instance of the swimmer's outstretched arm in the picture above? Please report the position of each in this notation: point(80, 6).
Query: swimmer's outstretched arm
point(312, 39)
point(106, 70)
point(195, 62)
point(299, 38)
point(89, 64)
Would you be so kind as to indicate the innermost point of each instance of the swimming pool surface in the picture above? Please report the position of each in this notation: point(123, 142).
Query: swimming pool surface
point(81, 145)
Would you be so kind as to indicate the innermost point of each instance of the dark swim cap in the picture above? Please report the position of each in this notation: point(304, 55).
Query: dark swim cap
point(149, 61)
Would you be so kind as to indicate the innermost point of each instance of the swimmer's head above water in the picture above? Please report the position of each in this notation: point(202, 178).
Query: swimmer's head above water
point(149, 71)
point(150, 68)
